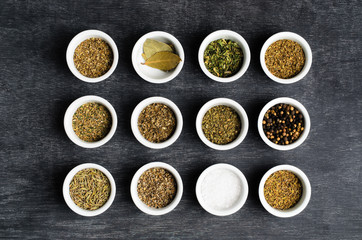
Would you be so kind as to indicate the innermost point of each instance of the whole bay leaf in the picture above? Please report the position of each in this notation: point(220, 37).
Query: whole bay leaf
point(151, 46)
point(163, 60)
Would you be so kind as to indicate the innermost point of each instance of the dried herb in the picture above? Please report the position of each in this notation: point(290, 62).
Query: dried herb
point(156, 187)
point(151, 47)
point(283, 190)
point(157, 122)
point(283, 124)
point(284, 58)
point(221, 125)
point(90, 189)
point(223, 58)
point(92, 122)
point(160, 55)
point(93, 57)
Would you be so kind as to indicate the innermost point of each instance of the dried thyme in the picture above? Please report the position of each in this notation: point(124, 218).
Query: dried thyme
point(284, 58)
point(221, 125)
point(283, 190)
point(92, 122)
point(223, 58)
point(93, 57)
point(283, 124)
point(157, 122)
point(90, 189)
point(156, 187)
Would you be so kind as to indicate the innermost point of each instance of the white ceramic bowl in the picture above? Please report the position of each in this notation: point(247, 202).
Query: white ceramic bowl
point(78, 39)
point(69, 117)
point(230, 35)
point(226, 102)
point(304, 200)
point(141, 205)
point(222, 186)
point(302, 109)
point(296, 38)
point(73, 206)
point(141, 106)
point(150, 74)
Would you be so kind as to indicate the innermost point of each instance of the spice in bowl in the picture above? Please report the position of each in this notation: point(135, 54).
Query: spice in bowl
point(285, 58)
point(223, 58)
point(93, 57)
point(156, 187)
point(90, 189)
point(283, 190)
point(92, 122)
point(221, 125)
point(283, 124)
point(157, 122)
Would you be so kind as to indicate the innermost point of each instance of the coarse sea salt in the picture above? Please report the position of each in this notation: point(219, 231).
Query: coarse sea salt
point(221, 189)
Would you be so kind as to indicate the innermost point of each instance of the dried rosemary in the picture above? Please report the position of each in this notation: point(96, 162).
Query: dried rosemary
point(90, 189)
point(92, 122)
point(284, 58)
point(156, 187)
point(283, 190)
point(221, 125)
point(223, 58)
point(157, 122)
point(93, 57)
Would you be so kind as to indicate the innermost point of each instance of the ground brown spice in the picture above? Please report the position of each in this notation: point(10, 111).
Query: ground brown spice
point(284, 58)
point(93, 57)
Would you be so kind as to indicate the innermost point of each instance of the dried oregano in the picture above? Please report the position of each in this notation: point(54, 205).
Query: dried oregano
point(93, 57)
point(90, 189)
point(156, 187)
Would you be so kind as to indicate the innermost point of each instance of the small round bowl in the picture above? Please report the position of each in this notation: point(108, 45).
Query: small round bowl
point(230, 35)
point(296, 38)
point(304, 200)
point(69, 117)
point(226, 102)
point(302, 109)
point(78, 39)
point(141, 205)
point(154, 75)
point(141, 106)
point(221, 184)
point(72, 205)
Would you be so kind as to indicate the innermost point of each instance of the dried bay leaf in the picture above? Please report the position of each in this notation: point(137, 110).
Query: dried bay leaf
point(163, 60)
point(151, 46)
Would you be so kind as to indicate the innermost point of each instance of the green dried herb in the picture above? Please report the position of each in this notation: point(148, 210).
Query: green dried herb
point(156, 187)
point(223, 58)
point(157, 122)
point(284, 58)
point(164, 61)
point(283, 124)
point(92, 122)
point(151, 47)
point(221, 125)
point(90, 189)
point(283, 190)
point(93, 57)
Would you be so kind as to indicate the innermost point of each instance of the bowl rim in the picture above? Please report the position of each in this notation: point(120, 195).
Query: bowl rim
point(307, 123)
point(79, 38)
point(226, 102)
point(226, 34)
point(69, 116)
point(303, 202)
point(178, 48)
point(72, 205)
point(142, 206)
point(134, 122)
point(289, 36)
point(240, 203)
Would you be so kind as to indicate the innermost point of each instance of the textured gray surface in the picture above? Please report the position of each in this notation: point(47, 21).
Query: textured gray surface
point(37, 87)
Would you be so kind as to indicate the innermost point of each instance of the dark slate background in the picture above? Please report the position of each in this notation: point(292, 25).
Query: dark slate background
point(37, 87)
